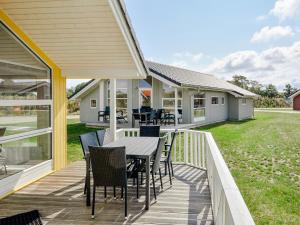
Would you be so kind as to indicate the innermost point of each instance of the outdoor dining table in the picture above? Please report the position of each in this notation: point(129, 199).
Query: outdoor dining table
point(136, 147)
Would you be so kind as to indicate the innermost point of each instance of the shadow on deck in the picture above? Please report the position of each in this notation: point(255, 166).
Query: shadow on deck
point(59, 197)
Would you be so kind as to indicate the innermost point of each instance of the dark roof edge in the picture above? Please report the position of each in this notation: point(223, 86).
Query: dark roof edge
point(84, 86)
point(165, 77)
point(132, 34)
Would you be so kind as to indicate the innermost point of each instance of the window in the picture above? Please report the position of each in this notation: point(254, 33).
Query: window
point(223, 100)
point(25, 107)
point(199, 107)
point(93, 103)
point(214, 100)
point(145, 91)
point(168, 100)
point(244, 101)
point(121, 95)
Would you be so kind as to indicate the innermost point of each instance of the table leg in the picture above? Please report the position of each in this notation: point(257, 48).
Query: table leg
point(88, 185)
point(132, 121)
point(147, 183)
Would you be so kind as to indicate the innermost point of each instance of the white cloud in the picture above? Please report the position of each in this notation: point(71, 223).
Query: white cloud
point(189, 56)
point(279, 65)
point(284, 9)
point(261, 18)
point(272, 33)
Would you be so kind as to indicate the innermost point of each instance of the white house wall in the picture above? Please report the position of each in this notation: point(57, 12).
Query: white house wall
point(88, 114)
point(233, 109)
point(245, 110)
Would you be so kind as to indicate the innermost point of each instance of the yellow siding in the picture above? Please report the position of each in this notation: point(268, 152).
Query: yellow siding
point(59, 120)
point(59, 95)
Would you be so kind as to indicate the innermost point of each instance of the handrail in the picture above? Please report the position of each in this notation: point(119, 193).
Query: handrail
point(228, 204)
point(199, 149)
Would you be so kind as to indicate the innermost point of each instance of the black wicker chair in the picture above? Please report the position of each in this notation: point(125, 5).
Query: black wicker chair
point(100, 136)
point(86, 140)
point(27, 218)
point(155, 167)
point(150, 131)
point(167, 160)
point(104, 114)
point(109, 169)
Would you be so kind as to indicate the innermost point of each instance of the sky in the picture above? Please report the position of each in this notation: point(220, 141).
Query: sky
point(257, 39)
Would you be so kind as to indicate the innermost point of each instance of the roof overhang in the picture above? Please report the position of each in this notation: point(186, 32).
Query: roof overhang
point(86, 89)
point(294, 95)
point(85, 39)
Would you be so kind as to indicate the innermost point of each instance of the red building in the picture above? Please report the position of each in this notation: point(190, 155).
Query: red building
point(296, 100)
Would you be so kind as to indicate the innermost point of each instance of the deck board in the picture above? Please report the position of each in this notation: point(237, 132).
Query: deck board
point(60, 200)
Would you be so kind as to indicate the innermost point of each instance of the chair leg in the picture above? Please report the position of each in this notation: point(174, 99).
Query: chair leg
point(172, 168)
point(161, 183)
point(153, 181)
point(114, 192)
point(141, 179)
point(165, 168)
point(125, 201)
point(105, 193)
point(137, 188)
point(170, 175)
point(85, 181)
point(93, 206)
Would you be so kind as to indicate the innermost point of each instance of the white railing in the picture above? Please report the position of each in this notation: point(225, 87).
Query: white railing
point(199, 149)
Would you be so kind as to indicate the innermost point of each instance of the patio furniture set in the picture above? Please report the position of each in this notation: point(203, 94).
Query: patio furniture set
point(144, 115)
point(148, 115)
point(114, 163)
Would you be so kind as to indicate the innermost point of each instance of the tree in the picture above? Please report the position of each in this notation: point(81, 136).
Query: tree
point(255, 87)
point(73, 90)
point(270, 91)
point(241, 81)
point(289, 90)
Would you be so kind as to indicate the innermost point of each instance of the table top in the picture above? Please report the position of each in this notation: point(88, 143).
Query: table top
point(137, 146)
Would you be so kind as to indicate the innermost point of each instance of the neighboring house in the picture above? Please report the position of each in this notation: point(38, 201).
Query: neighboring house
point(203, 98)
point(42, 43)
point(296, 100)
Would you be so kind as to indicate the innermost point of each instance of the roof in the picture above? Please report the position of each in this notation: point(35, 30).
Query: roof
point(84, 89)
point(85, 39)
point(295, 94)
point(188, 78)
point(179, 77)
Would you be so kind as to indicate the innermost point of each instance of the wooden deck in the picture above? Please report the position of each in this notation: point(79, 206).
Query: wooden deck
point(59, 197)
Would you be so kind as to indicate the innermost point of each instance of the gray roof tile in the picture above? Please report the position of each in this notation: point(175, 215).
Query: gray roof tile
point(185, 77)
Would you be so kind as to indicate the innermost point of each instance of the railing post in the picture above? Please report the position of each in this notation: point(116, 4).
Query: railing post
point(186, 143)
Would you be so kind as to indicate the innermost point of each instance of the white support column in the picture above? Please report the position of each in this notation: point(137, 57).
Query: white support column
point(176, 107)
point(113, 108)
point(101, 95)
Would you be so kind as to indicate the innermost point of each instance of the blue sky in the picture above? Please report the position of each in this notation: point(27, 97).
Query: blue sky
point(259, 39)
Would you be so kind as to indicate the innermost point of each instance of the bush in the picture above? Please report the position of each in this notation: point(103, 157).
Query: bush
point(73, 106)
point(266, 102)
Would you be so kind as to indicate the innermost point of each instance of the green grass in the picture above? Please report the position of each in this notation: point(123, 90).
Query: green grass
point(74, 130)
point(263, 155)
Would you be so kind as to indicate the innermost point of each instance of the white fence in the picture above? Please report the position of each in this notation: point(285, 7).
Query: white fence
point(199, 149)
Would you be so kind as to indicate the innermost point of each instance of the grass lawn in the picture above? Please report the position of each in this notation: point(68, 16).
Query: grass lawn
point(264, 157)
point(75, 128)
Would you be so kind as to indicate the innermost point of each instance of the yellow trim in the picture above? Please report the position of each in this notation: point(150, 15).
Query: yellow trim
point(59, 95)
point(25, 185)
